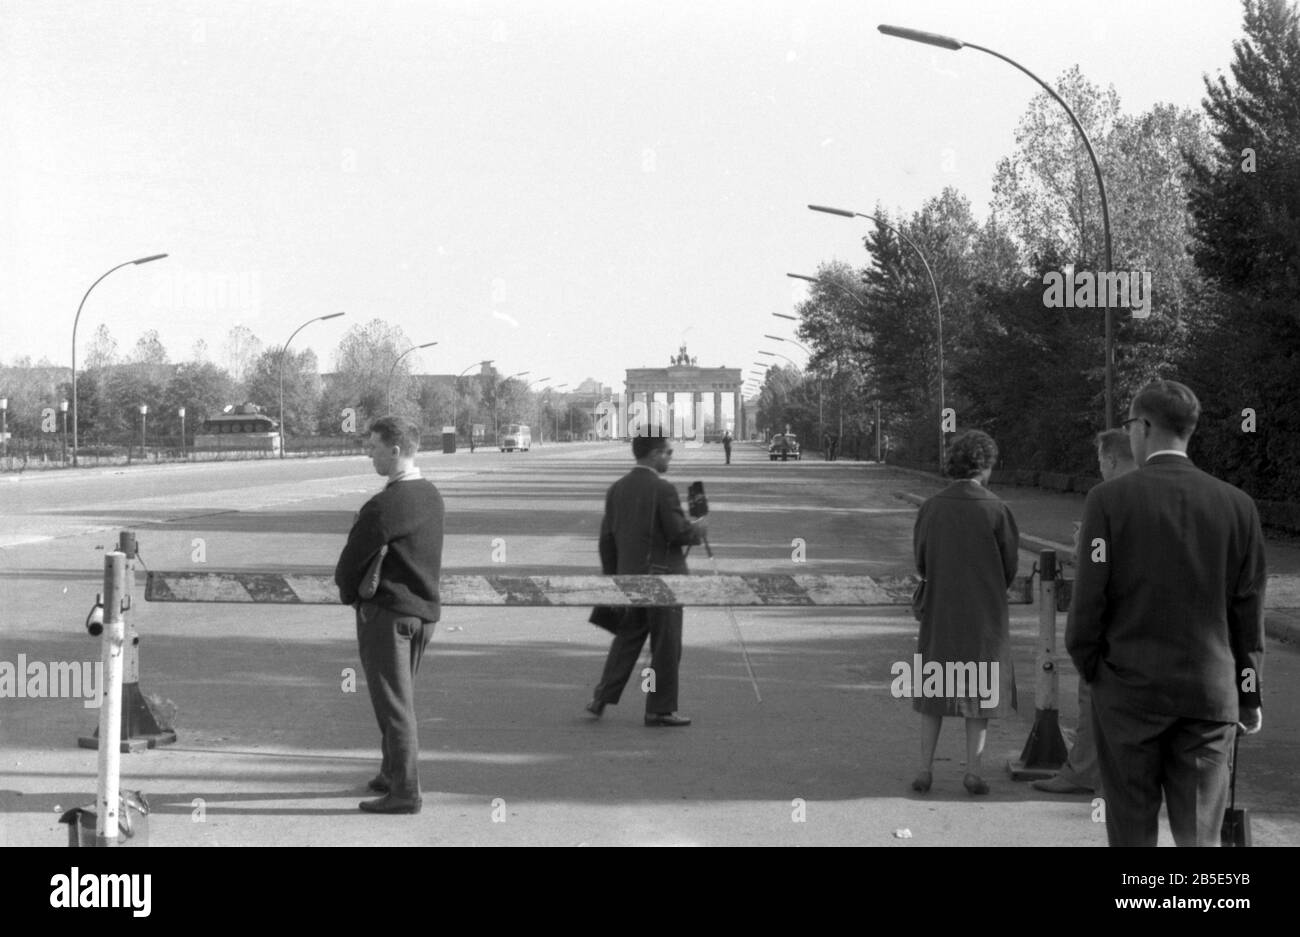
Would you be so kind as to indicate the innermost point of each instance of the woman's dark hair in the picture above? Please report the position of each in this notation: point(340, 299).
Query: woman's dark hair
point(969, 454)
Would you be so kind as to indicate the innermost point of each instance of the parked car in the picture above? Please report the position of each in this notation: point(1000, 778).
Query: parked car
point(784, 446)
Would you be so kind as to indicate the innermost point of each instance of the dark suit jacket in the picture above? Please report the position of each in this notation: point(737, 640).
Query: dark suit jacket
point(1175, 613)
point(644, 526)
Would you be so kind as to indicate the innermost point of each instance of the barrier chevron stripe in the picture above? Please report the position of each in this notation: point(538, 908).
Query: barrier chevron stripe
point(561, 591)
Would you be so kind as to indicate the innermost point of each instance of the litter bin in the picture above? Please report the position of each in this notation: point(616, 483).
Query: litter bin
point(448, 440)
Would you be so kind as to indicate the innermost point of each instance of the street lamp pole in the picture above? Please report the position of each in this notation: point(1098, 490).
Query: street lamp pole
point(388, 389)
point(496, 424)
point(142, 260)
point(947, 42)
point(556, 414)
point(455, 391)
point(4, 427)
point(180, 412)
point(938, 309)
point(63, 409)
point(284, 351)
point(144, 445)
point(528, 386)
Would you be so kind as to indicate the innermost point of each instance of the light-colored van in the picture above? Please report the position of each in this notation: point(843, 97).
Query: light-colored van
point(516, 436)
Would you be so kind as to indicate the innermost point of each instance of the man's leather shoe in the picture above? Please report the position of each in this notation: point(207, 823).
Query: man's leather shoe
point(378, 784)
point(1059, 785)
point(596, 708)
point(390, 804)
point(666, 719)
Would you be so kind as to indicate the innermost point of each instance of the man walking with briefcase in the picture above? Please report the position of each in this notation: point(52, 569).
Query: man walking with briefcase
point(643, 531)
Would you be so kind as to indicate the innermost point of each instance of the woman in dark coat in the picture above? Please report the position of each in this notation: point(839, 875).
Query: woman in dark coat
point(966, 545)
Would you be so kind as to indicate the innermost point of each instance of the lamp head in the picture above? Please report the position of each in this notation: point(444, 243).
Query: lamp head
point(916, 35)
point(833, 211)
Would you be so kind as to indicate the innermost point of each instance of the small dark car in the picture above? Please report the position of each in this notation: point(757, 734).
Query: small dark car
point(784, 446)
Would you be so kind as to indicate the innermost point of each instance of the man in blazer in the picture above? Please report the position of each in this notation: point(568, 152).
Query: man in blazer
point(643, 531)
point(1167, 626)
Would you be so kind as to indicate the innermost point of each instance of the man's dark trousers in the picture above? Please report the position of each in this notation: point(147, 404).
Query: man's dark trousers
point(664, 626)
point(1140, 753)
point(391, 647)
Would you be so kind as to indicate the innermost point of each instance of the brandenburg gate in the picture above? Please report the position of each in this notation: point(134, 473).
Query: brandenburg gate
point(653, 406)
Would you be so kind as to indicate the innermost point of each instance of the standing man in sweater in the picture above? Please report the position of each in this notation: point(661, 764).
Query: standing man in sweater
point(395, 625)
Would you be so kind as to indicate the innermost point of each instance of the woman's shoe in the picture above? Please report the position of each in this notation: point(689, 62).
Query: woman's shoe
point(921, 783)
point(975, 784)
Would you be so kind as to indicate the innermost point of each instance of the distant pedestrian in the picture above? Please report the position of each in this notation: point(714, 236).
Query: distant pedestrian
point(967, 551)
point(394, 625)
point(726, 445)
point(1167, 625)
point(1079, 774)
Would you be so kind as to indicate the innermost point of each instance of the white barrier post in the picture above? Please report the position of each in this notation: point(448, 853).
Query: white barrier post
point(1044, 750)
point(110, 711)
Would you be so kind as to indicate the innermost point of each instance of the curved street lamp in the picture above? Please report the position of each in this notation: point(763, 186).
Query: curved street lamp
point(553, 388)
point(773, 354)
point(778, 338)
point(455, 390)
point(388, 388)
point(142, 260)
point(496, 423)
point(540, 380)
point(947, 42)
point(827, 282)
point(283, 353)
point(938, 309)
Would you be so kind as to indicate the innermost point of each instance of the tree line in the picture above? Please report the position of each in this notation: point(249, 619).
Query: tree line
point(1206, 202)
point(112, 386)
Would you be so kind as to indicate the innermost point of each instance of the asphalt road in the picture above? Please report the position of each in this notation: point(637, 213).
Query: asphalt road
point(274, 744)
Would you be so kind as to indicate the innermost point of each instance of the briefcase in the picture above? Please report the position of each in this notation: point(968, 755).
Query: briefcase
point(609, 617)
point(1236, 821)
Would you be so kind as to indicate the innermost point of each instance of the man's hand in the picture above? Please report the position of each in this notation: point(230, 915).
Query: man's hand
point(701, 525)
point(1251, 721)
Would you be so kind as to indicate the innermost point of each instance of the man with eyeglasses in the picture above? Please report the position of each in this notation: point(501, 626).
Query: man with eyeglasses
point(1167, 626)
point(643, 531)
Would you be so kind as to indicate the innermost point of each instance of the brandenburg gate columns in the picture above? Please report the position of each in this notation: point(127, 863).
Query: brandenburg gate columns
point(682, 376)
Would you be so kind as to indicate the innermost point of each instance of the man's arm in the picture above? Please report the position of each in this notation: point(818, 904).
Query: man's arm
point(1246, 624)
point(1009, 543)
point(364, 540)
point(1084, 629)
point(607, 545)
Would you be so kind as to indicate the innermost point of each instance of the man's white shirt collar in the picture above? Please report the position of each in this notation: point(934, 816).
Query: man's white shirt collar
point(409, 475)
point(1166, 452)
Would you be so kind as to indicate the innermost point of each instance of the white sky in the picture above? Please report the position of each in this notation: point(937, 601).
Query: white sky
point(568, 188)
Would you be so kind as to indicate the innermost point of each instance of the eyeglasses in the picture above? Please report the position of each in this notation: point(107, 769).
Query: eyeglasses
point(1133, 419)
